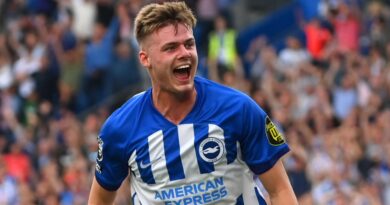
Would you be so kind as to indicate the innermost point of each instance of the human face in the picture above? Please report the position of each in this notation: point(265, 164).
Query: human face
point(170, 56)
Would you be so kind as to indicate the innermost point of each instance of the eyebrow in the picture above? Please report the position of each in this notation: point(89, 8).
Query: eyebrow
point(177, 43)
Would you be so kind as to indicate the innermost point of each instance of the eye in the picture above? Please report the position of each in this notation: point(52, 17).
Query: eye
point(170, 48)
point(189, 45)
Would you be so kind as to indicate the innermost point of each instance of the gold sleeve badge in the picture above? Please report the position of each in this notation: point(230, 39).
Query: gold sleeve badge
point(274, 136)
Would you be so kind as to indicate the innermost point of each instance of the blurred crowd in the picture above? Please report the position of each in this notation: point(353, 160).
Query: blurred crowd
point(60, 64)
point(330, 94)
point(65, 65)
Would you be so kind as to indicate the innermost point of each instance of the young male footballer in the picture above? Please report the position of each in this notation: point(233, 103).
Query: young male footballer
point(187, 140)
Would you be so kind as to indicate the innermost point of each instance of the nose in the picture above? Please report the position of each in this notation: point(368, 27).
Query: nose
point(184, 52)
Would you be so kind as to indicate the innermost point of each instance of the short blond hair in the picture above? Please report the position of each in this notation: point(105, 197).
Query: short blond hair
point(154, 16)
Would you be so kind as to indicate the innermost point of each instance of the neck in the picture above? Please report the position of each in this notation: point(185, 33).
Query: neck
point(174, 107)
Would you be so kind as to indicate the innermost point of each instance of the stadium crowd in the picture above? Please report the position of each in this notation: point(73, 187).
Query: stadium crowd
point(65, 65)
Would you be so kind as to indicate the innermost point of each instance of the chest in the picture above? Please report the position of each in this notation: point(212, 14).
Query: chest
point(181, 152)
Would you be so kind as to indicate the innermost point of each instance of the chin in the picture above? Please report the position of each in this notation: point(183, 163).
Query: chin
point(187, 88)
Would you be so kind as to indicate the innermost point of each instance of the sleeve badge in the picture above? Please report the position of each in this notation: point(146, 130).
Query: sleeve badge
point(273, 135)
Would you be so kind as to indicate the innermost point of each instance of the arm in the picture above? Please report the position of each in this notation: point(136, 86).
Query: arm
point(99, 195)
point(111, 164)
point(277, 184)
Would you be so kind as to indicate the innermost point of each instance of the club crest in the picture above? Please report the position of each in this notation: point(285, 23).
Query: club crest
point(211, 149)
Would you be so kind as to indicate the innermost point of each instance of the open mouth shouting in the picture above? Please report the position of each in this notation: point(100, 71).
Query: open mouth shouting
point(183, 72)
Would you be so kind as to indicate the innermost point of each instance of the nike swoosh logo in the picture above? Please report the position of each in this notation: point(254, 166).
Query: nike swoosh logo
point(144, 165)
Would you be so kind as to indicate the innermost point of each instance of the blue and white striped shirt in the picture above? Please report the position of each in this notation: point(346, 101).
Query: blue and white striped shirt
point(212, 157)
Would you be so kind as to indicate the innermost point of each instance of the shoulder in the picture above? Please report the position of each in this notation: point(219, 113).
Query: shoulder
point(216, 93)
point(118, 122)
point(217, 90)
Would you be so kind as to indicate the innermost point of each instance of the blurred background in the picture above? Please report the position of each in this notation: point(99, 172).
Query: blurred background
point(320, 68)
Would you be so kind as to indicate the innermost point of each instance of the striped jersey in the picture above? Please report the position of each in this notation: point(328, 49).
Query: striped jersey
point(212, 157)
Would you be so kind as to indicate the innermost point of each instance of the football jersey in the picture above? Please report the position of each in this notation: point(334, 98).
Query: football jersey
point(213, 156)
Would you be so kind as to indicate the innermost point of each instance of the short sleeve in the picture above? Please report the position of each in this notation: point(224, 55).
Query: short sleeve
point(111, 165)
point(262, 144)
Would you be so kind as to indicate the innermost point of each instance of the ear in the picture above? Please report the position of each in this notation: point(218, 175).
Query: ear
point(144, 59)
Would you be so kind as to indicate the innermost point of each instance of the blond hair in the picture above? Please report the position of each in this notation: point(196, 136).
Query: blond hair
point(154, 16)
